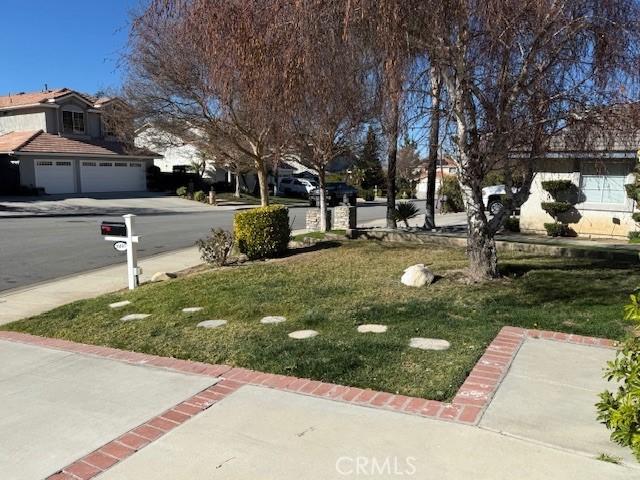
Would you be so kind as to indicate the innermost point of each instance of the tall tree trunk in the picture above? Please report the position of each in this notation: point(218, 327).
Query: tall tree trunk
point(392, 140)
point(263, 182)
point(432, 159)
point(323, 200)
point(481, 244)
point(237, 191)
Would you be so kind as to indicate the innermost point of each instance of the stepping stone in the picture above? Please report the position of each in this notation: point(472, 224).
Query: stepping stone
point(134, 316)
point(269, 320)
point(212, 323)
point(372, 328)
point(302, 334)
point(429, 343)
point(123, 303)
point(192, 309)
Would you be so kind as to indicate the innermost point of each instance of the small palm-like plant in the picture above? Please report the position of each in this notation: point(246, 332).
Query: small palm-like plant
point(405, 211)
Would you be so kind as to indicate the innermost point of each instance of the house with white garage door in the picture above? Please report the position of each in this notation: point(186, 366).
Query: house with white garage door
point(60, 141)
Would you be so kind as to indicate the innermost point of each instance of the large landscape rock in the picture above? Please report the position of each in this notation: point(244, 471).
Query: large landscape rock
point(417, 276)
point(162, 276)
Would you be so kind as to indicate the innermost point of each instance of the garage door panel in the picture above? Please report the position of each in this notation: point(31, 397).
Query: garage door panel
point(55, 176)
point(112, 176)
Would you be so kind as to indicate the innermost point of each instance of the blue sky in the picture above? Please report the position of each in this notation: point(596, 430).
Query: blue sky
point(63, 43)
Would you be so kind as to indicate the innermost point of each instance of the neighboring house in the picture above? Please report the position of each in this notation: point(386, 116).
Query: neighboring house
point(177, 155)
point(61, 144)
point(599, 172)
point(446, 166)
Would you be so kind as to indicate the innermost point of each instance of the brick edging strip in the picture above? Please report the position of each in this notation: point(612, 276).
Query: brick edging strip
point(467, 406)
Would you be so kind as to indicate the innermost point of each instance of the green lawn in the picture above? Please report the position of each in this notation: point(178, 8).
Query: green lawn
point(335, 289)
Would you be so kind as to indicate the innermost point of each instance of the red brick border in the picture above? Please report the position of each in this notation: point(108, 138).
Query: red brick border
point(467, 406)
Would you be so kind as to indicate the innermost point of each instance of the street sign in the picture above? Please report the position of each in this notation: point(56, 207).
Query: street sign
point(120, 246)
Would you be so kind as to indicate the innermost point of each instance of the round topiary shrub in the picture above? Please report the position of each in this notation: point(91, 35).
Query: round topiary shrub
point(262, 232)
point(181, 191)
point(556, 208)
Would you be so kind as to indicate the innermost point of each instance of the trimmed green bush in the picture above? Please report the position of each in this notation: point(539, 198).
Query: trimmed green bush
point(619, 410)
point(512, 224)
point(554, 187)
point(199, 196)
point(556, 208)
point(634, 237)
point(636, 217)
point(182, 191)
point(555, 229)
point(262, 232)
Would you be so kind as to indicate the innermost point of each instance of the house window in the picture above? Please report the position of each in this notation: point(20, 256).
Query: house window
point(73, 122)
point(603, 182)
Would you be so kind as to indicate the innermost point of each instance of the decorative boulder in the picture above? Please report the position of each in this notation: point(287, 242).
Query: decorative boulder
point(417, 276)
point(162, 276)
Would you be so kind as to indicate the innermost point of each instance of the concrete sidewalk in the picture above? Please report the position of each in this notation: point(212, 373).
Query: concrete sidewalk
point(59, 406)
point(268, 434)
point(39, 298)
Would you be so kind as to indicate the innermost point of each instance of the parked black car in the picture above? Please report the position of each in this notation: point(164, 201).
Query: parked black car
point(335, 193)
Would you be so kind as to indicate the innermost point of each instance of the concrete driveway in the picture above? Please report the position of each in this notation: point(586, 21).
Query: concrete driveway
point(58, 406)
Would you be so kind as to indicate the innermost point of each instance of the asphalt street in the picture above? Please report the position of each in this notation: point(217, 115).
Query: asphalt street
point(34, 250)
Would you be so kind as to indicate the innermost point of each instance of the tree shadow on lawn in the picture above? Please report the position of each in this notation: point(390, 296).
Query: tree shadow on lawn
point(516, 268)
point(322, 245)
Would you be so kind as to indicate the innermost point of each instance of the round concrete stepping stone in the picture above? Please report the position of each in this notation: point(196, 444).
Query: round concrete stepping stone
point(192, 309)
point(372, 328)
point(134, 316)
point(270, 320)
point(212, 323)
point(429, 343)
point(121, 304)
point(302, 334)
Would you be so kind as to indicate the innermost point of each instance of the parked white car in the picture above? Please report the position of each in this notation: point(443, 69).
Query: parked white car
point(492, 198)
point(297, 186)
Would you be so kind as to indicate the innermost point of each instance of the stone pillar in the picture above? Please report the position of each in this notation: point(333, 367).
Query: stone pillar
point(344, 218)
point(312, 222)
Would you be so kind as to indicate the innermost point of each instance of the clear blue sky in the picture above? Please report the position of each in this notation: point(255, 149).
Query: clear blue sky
point(64, 43)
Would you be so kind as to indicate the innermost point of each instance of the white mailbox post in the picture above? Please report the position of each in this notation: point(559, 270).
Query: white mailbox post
point(127, 241)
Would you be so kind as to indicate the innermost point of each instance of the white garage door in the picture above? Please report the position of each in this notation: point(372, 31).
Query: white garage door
point(96, 176)
point(55, 176)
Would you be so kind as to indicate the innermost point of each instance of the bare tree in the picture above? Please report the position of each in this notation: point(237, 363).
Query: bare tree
point(515, 74)
point(328, 98)
point(210, 66)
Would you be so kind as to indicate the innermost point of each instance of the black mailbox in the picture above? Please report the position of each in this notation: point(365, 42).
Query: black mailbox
point(117, 229)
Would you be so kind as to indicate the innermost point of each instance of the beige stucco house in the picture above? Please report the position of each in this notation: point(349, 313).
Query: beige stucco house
point(58, 141)
point(600, 172)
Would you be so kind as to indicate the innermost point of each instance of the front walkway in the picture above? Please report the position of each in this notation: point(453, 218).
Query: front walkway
point(540, 425)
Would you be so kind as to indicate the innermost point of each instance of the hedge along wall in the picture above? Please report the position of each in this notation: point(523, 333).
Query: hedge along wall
point(262, 232)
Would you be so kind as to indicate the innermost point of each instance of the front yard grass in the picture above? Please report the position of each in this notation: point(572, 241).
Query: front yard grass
point(334, 290)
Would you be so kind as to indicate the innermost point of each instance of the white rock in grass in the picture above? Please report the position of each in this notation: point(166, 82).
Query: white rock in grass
point(192, 309)
point(134, 316)
point(429, 343)
point(212, 323)
point(302, 334)
point(121, 304)
point(372, 328)
point(417, 276)
point(268, 320)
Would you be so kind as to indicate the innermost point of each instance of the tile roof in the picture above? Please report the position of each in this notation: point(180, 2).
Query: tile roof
point(41, 142)
point(31, 98)
point(11, 141)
